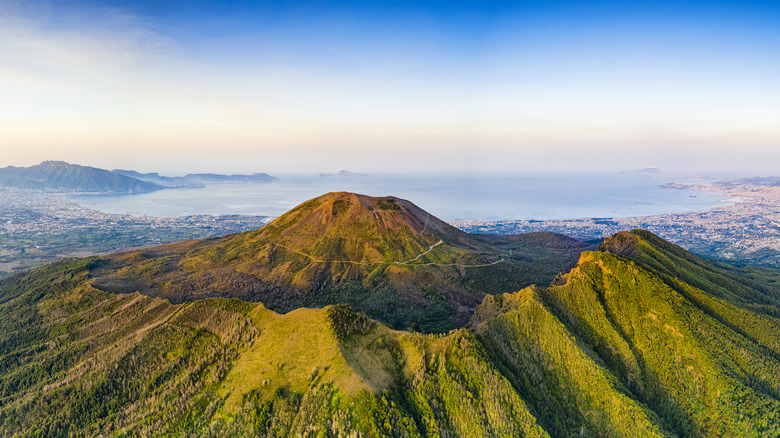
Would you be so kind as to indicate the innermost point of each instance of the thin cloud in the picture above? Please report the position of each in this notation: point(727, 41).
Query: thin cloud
point(68, 58)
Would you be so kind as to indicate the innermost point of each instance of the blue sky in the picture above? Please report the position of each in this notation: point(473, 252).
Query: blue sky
point(391, 86)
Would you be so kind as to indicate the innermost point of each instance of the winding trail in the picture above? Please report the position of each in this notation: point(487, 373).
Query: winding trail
point(405, 262)
point(427, 216)
point(422, 254)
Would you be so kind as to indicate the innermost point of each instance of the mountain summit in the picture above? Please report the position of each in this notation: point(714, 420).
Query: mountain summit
point(383, 255)
point(351, 228)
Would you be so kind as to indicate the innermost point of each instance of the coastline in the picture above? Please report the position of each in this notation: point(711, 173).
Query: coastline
point(449, 197)
point(747, 230)
point(38, 227)
point(41, 227)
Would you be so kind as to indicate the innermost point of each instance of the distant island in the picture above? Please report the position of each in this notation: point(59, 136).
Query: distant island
point(646, 171)
point(340, 173)
point(59, 176)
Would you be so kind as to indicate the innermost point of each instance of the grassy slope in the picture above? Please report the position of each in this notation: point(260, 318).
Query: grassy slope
point(705, 364)
point(126, 364)
point(616, 348)
point(567, 389)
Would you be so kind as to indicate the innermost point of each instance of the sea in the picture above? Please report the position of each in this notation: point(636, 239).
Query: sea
point(446, 196)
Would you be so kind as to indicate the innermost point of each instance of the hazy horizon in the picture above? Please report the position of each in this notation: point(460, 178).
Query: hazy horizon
point(244, 87)
point(332, 173)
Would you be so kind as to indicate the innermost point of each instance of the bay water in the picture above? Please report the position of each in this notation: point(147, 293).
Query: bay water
point(447, 196)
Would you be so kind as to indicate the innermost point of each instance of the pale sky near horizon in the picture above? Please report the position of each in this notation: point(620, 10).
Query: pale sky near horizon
point(316, 86)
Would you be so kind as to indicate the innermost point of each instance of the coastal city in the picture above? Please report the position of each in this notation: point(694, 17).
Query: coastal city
point(38, 227)
point(745, 231)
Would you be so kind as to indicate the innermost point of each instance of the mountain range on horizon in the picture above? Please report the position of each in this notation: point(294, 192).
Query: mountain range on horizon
point(196, 180)
point(59, 175)
point(637, 337)
point(62, 176)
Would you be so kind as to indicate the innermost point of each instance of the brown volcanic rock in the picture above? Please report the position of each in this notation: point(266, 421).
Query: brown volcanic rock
point(370, 229)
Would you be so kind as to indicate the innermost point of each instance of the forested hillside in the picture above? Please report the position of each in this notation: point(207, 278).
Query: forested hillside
point(639, 339)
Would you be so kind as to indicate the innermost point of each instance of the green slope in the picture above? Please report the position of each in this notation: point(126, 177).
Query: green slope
point(569, 391)
point(130, 365)
point(639, 339)
point(704, 365)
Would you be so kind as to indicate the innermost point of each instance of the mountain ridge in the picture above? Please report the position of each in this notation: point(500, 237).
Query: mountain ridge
point(59, 175)
point(196, 180)
point(651, 332)
point(619, 347)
